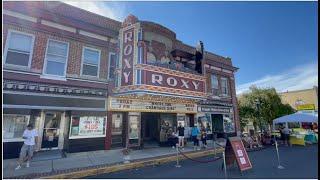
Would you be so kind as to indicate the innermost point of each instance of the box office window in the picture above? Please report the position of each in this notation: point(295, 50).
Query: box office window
point(56, 58)
point(14, 125)
point(90, 59)
point(87, 126)
point(19, 48)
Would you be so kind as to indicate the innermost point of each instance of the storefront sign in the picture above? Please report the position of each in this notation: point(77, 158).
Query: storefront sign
point(214, 109)
point(89, 126)
point(240, 153)
point(216, 103)
point(127, 57)
point(170, 81)
point(120, 104)
point(306, 107)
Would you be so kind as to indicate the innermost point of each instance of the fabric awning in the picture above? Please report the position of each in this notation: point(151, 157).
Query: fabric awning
point(297, 117)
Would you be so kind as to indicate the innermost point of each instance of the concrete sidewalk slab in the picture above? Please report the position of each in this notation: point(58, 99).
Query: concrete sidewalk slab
point(76, 161)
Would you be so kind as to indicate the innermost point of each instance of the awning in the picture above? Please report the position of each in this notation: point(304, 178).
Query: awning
point(297, 117)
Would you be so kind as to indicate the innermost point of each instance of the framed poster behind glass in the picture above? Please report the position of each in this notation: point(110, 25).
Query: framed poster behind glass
point(134, 130)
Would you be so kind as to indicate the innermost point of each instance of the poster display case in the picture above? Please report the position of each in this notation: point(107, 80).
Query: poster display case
point(204, 120)
point(134, 128)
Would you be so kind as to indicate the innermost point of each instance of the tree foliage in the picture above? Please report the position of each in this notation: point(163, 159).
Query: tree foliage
point(269, 107)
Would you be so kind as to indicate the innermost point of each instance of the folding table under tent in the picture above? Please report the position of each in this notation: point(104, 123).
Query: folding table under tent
point(297, 118)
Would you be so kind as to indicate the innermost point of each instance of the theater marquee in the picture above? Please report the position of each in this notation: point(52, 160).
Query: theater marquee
point(171, 81)
point(120, 104)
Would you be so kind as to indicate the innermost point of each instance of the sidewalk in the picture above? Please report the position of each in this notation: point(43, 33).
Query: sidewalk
point(86, 159)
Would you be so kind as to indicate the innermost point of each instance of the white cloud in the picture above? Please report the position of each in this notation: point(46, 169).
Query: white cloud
point(300, 77)
point(113, 10)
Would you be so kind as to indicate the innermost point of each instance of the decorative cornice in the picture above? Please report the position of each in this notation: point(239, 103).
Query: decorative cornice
point(46, 88)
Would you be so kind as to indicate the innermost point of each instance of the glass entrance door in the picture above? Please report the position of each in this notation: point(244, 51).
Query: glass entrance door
point(51, 129)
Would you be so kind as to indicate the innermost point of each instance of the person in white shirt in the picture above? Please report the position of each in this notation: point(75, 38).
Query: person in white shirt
point(30, 137)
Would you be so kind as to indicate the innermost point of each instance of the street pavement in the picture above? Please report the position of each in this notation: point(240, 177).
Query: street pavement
point(300, 163)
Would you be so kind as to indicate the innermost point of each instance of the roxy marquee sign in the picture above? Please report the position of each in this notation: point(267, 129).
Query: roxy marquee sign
point(177, 82)
point(119, 104)
point(127, 57)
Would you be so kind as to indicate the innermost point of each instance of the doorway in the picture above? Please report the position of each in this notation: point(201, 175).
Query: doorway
point(118, 131)
point(217, 125)
point(51, 131)
point(150, 129)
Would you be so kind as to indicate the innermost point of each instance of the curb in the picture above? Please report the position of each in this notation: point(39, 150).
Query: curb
point(132, 165)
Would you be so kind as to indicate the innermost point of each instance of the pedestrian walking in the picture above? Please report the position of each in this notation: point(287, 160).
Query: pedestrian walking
point(204, 137)
point(286, 135)
point(194, 134)
point(181, 135)
point(30, 137)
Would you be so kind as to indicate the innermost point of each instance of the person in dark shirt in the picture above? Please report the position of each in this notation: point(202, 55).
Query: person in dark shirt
point(181, 135)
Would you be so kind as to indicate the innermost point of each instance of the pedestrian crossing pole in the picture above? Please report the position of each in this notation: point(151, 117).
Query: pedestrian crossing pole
point(177, 148)
point(224, 165)
point(279, 165)
point(214, 148)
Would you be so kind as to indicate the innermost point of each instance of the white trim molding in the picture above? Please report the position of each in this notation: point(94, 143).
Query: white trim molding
point(96, 36)
point(55, 77)
point(58, 26)
point(7, 47)
point(19, 15)
point(98, 64)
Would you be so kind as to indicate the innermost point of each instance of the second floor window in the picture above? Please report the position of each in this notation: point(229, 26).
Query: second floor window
point(224, 86)
point(214, 81)
point(19, 48)
point(91, 59)
point(112, 65)
point(56, 58)
point(214, 84)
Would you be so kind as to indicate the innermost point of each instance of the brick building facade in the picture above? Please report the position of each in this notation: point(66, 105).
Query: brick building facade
point(88, 82)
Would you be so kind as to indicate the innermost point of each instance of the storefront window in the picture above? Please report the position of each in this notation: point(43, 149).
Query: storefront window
point(224, 86)
point(228, 123)
point(87, 126)
point(14, 125)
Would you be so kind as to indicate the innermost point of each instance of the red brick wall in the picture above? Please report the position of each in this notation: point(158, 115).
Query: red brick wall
point(75, 51)
point(108, 133)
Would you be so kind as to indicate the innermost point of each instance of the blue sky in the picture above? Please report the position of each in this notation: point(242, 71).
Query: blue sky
point(273, 43)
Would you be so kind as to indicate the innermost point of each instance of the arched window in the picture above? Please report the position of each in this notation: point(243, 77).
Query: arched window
point(165, 60)
point(151, 57)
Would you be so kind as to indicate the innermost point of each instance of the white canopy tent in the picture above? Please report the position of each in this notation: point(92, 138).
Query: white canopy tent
point(297, 118)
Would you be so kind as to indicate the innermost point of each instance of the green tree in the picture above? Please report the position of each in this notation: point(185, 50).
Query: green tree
point(262, 106)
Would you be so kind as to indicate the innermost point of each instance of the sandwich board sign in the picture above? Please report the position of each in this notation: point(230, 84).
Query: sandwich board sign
point(235, 151)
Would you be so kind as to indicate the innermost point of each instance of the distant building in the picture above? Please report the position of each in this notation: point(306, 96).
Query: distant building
point(306, 99)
